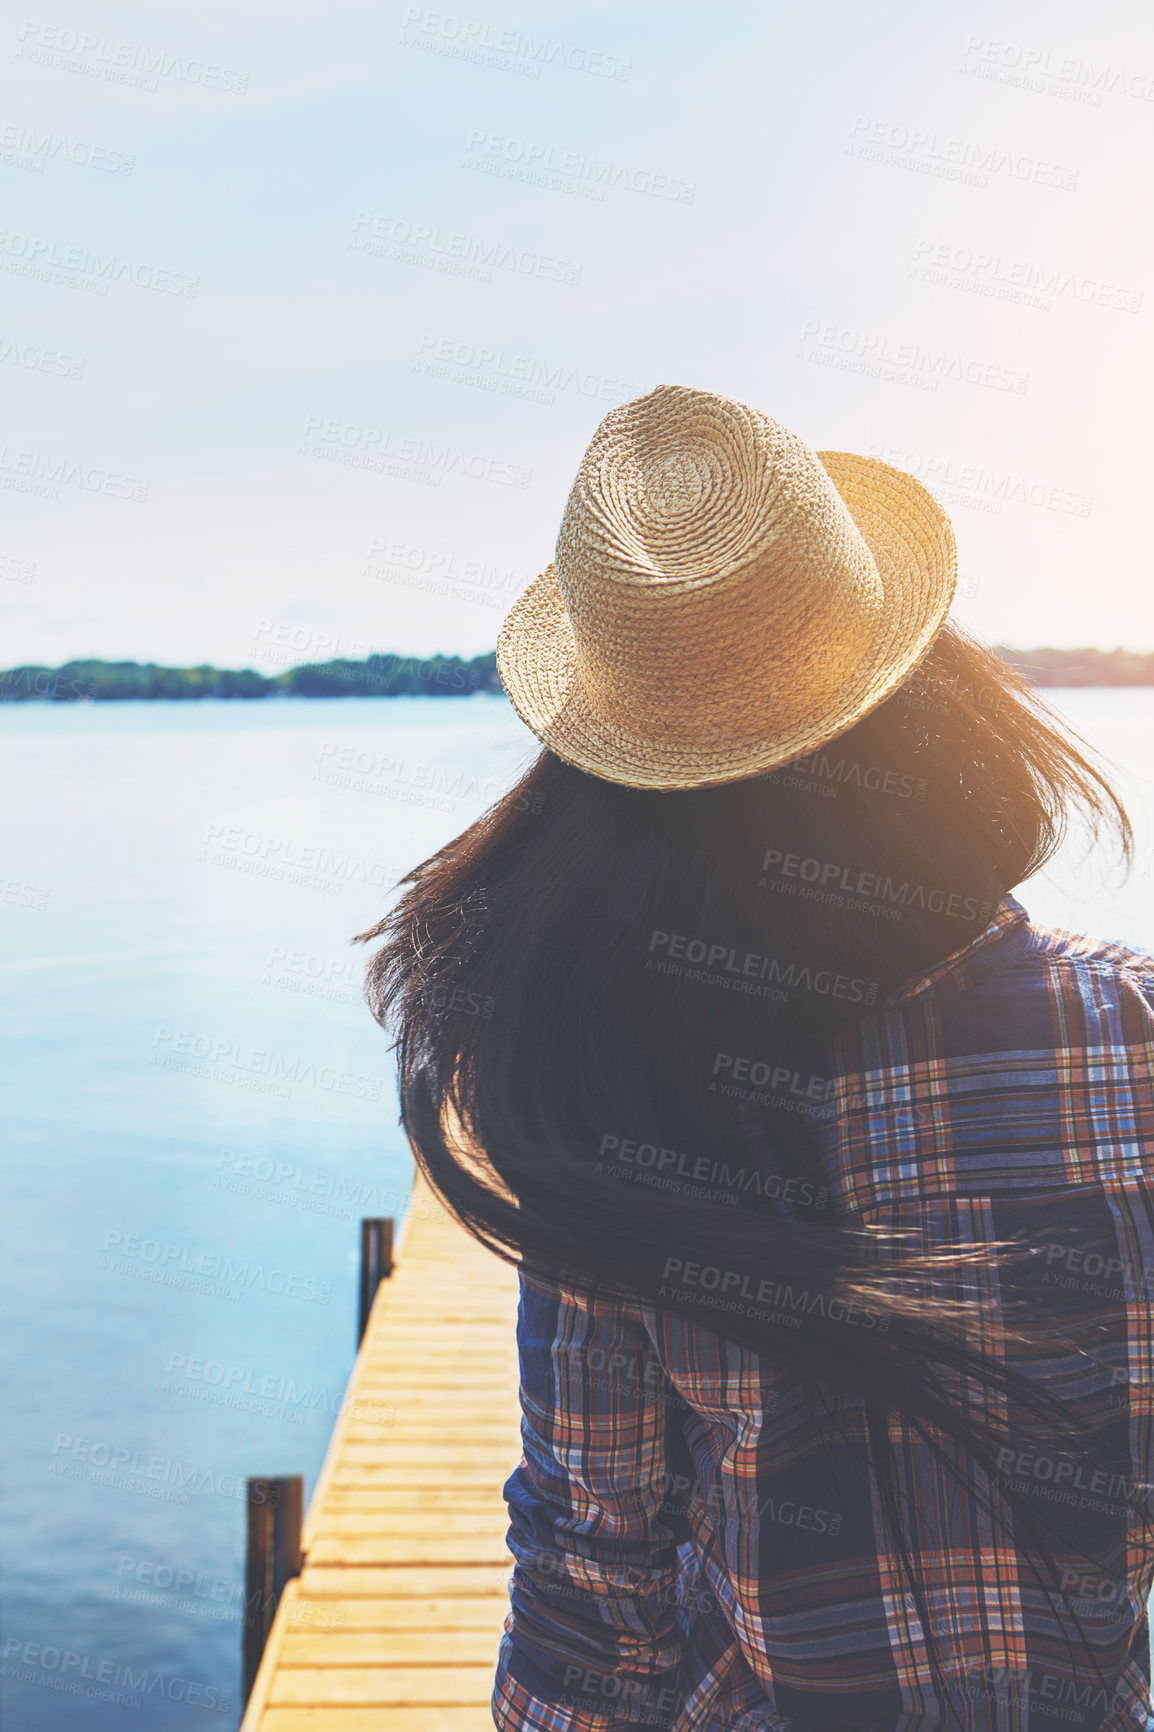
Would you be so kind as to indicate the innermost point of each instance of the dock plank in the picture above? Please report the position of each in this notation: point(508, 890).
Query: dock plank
point(407, 1613)
point(412, 1647)
point(395, 1620)
point(445, 1581)
point(383, 1686)
point(424, 1548)
point(411, 1719)
point(362, 1523)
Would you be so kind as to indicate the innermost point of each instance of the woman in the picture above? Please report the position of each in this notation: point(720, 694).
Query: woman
point(827, 1171)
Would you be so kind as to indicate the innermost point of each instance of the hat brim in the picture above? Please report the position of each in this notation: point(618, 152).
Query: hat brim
point(912, 541)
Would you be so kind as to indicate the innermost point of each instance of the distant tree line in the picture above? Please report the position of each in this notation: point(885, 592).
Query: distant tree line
point(379, 676)
point(390, 676)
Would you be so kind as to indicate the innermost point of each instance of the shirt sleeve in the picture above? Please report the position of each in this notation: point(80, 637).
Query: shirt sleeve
point(593, 1636)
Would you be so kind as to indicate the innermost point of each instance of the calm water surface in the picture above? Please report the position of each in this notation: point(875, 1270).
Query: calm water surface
point(198, 1111)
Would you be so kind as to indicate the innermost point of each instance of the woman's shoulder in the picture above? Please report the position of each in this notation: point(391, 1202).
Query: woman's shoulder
point(1101, 989)
point(1086, 951)
point(1030, 985)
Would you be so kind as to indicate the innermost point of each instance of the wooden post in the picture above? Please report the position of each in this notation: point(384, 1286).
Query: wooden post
point(376, 1264)
point(272, 1558)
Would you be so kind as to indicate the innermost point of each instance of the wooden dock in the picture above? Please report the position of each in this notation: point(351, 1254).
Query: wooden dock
point(394, 1622)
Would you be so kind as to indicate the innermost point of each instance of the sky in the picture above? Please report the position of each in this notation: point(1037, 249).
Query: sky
point(310, 312)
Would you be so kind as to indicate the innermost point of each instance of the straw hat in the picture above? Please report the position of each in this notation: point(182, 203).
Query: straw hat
point(722, 599)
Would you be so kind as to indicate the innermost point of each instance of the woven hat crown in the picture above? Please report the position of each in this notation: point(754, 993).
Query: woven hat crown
point(722, 598)
point(703, 545)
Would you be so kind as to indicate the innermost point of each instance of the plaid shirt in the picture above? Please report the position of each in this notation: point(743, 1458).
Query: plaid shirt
point(691, 1550)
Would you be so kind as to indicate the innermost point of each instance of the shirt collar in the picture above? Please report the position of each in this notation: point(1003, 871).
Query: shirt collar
point(1009, 918)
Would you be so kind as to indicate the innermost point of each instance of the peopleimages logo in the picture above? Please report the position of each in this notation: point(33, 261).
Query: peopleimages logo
point(775, 1078)
point(39, 256)
point(753, 966)
point(38, 360)
point(124, 1467)
point(23, 147)
point(496, 369)
point(222, 1055)
point(421, 567)
point(871, 887)
point(16, 570)
point(731, 1285)
point(381, 769)
point(157, 1582)
point(476, 40)
point(121, 62)
point(820, 772)
point(312, 866)
point(717, 1175)
point(378, 449)
point(870, 352)
point(1071, 76)
point(229, 1384)
point(77, 1674)
point(1067, 1482)
point(984, 489)
point(216, 1265)
point(457, 253)
point(544, 164)
point(724, 1502)
point(1019, 280)
point(927, 152)
point(37, 472)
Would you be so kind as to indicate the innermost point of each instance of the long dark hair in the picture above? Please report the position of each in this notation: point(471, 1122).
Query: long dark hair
point(528, 973)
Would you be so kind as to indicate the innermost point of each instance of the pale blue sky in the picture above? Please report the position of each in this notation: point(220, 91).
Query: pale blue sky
point(832, 220)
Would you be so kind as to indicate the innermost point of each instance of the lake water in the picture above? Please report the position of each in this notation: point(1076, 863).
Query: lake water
point(199, 1109)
